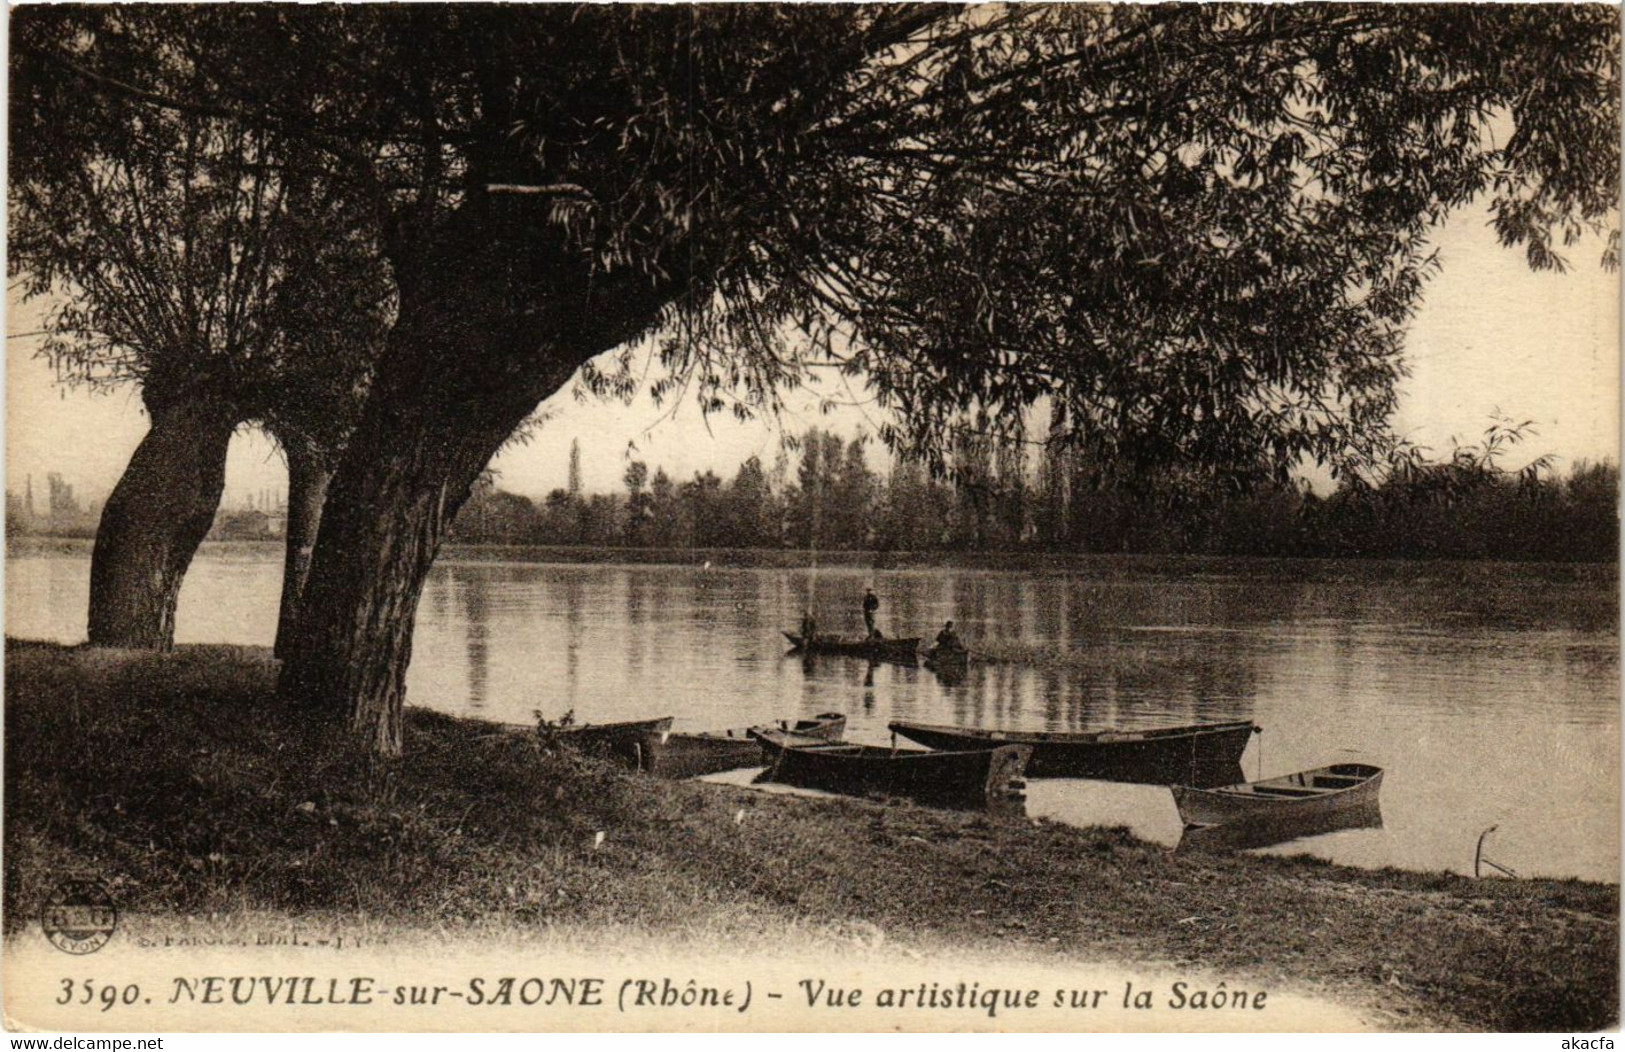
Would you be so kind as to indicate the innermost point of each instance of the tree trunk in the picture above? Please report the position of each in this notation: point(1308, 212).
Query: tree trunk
point(491, 319)
point(383, 524)
point(309, 472)
point(154, 521)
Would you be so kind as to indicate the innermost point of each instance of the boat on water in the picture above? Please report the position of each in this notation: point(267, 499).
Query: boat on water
point(946, 657)
point(683, 755)
point(976, 779)
point(1321, 793)
point(1201, 754)
point(951, 667)
point(857, 646)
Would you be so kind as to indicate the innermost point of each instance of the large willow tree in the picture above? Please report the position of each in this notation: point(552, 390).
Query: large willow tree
point(208, 262)
point(1197, 229)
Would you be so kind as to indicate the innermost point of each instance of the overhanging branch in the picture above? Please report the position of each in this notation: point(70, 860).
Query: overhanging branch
point(549, 190)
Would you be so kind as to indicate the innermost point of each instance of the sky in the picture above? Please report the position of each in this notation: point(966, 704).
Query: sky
point(1491, 338)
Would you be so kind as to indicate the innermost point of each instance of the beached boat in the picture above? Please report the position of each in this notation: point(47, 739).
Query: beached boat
point(1199, 754)
point(691, 755)
point(634, 742)
point(1320, 793)
point(857, 646)
point(975, 779)
point(1268, 830)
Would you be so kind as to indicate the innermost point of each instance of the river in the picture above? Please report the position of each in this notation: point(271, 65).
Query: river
point(1488, 692)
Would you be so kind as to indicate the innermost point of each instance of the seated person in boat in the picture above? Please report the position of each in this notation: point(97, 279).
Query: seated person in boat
point(948, 639)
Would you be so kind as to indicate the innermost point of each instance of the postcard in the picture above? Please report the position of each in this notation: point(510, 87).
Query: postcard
point(613, 518)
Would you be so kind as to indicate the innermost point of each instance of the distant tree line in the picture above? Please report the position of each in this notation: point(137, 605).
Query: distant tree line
point(1466, 506)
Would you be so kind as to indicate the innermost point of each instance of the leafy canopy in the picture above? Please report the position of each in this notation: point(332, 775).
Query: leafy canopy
point(1198, 231)
point(200, 256)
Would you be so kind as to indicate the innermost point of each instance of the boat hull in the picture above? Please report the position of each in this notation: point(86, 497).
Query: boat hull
point(693, 755)
point(907, 650)
point(988, 778)
point(950, 666)
point(635, 743)
point(1323, 794)
point(1199, 755)
point(1266, 830)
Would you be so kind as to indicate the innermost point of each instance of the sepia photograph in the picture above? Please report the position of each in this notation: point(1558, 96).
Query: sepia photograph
point(812, 517)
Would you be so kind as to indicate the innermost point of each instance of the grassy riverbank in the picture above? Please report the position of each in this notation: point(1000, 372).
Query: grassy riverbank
point(181, 781)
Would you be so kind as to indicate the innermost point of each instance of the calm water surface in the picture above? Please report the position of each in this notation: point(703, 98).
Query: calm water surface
point(1490, 693)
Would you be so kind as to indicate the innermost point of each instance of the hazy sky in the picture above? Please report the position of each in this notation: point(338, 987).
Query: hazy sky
point(1491, 336)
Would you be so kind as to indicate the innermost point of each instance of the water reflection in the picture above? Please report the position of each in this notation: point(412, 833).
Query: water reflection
point(473, 608)
point(1489, 693)
point(950, 673)
point(1370, 670)
point(1278, 829)
point(574, 631)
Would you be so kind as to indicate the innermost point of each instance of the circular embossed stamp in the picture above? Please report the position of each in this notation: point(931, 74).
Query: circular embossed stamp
point(79, 916)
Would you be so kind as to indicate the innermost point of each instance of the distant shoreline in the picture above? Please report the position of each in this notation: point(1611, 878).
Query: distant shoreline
point(1110, 564)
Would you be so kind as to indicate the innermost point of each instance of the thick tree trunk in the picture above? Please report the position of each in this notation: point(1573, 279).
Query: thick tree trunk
point(491, 320)
point(383, 524)
point(309, 472)
point(154, 521)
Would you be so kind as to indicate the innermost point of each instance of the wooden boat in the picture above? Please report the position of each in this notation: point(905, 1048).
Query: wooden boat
point(1320, 793)
point(692, 755)
point(1199, 754)
point(855, 646)
point(634, 742)
point(1272, 829)
point(952, 658)
point(950, 666)
point(975, 779)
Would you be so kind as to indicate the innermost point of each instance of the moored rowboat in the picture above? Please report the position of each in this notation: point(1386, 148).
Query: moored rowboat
point(1275, 829)
point(1322, 792)
point(1199, 754)
point(691, 755)
point(973, 779)
point(634, 742)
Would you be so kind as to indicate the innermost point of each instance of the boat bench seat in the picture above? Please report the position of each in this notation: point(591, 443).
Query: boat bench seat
point(1275, 790)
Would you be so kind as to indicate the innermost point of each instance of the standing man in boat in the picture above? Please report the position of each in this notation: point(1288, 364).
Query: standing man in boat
point(809, 628)
point(871, 606)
